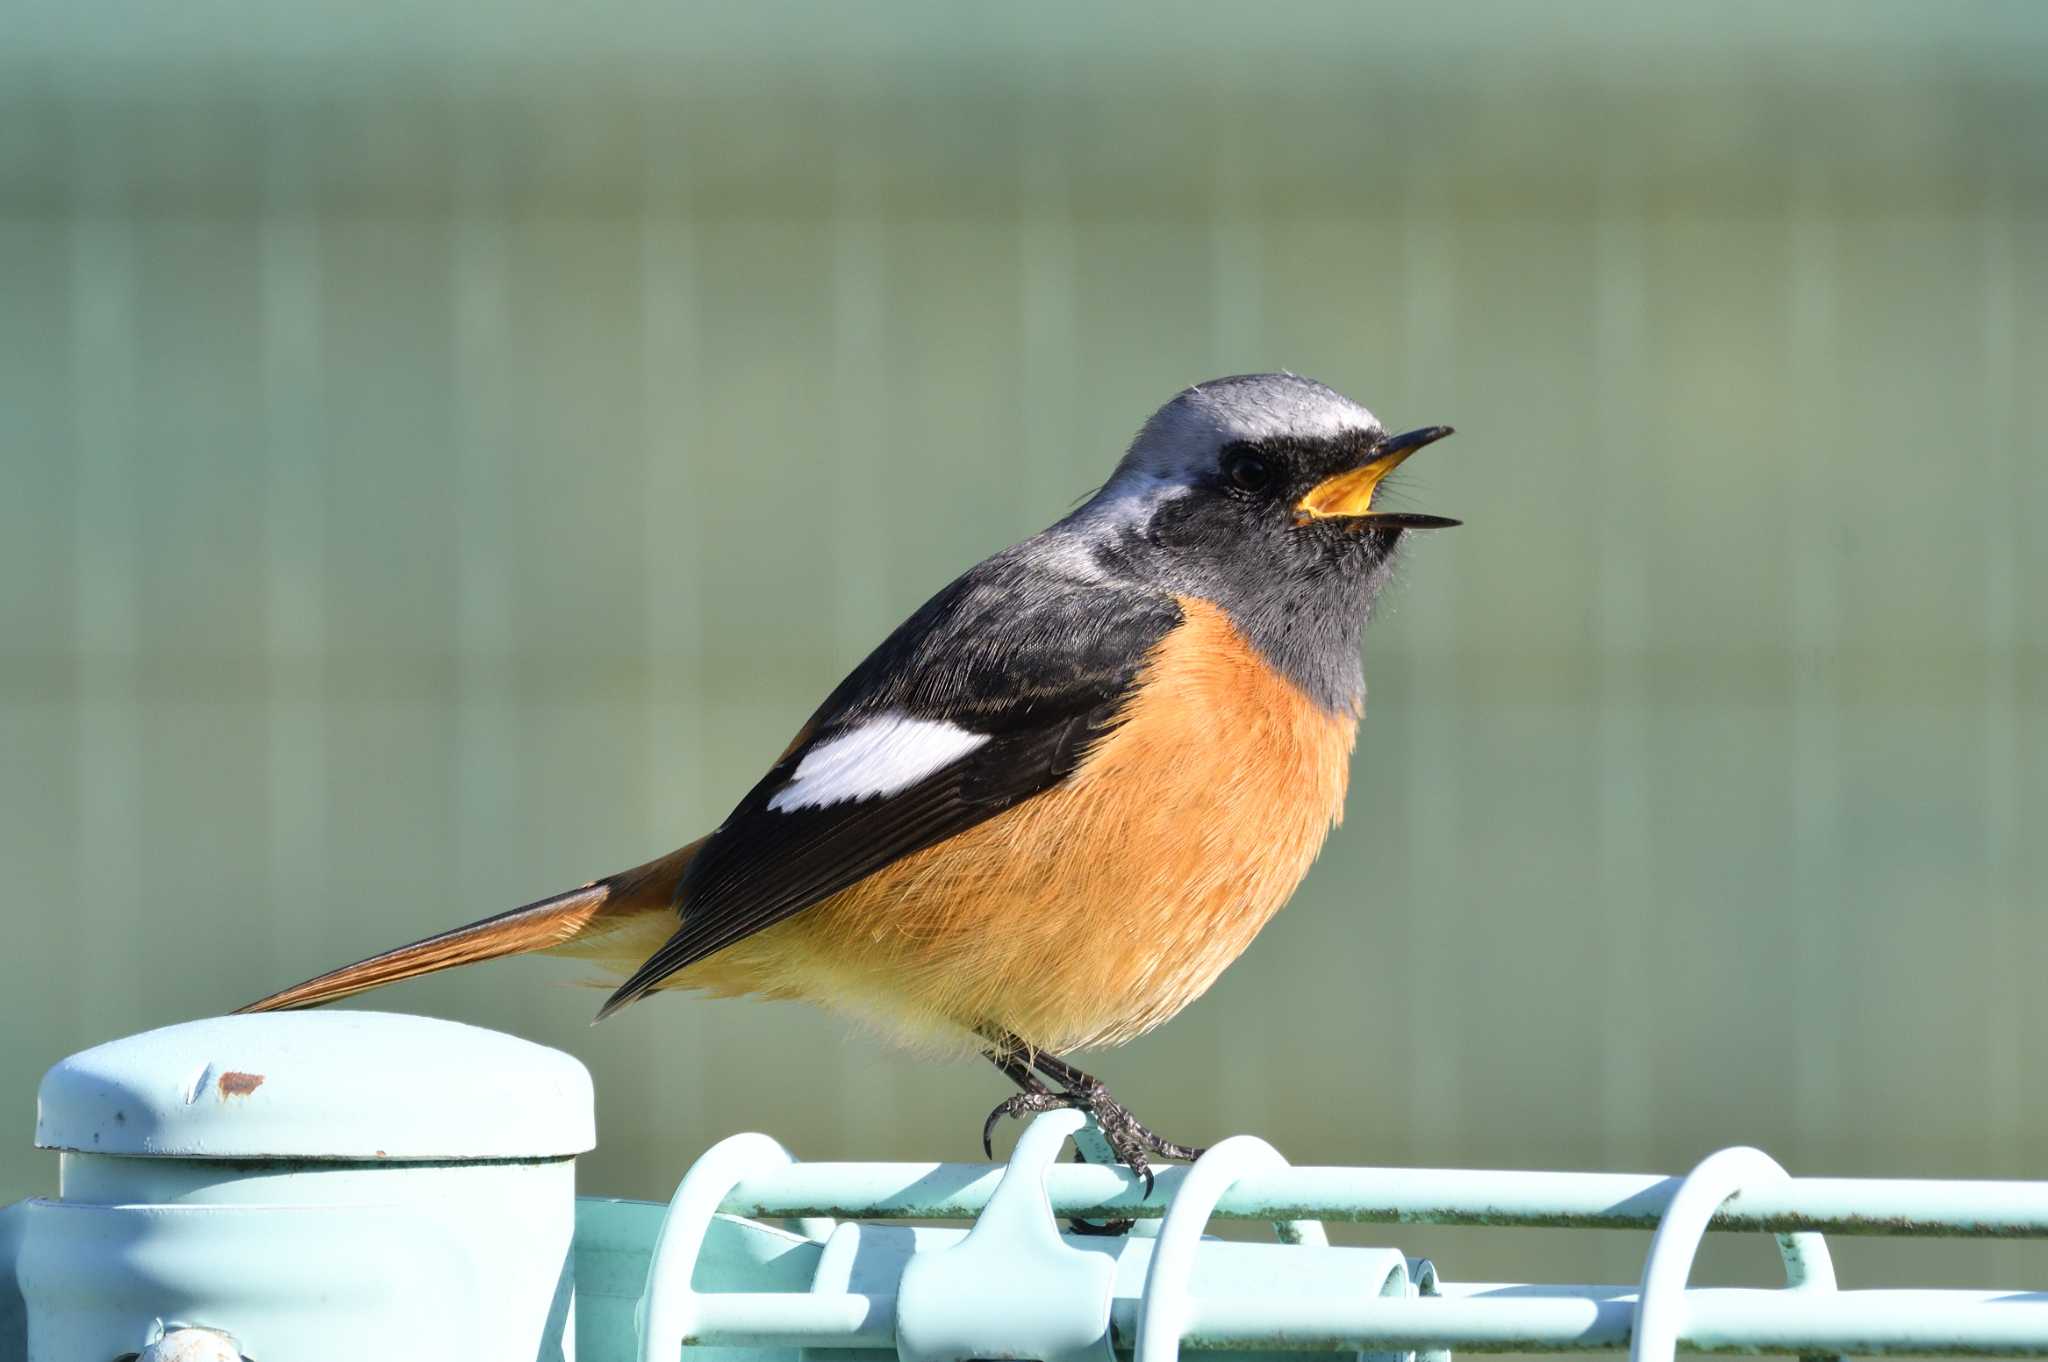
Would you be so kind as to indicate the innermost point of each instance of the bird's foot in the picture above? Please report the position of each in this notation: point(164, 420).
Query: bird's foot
point(1133, 1144)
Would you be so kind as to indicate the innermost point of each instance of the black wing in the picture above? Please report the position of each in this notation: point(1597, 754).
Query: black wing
point(1037, 666)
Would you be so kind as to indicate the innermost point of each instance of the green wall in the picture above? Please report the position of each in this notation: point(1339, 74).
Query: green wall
point(443, 463)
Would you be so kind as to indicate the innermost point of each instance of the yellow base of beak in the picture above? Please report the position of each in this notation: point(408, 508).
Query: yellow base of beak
point(1349, 494)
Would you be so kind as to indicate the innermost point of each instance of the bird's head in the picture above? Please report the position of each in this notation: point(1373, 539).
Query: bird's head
point(1271, 456)
point(1261, 493)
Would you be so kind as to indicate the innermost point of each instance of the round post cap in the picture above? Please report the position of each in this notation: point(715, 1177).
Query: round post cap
point(318, 1085)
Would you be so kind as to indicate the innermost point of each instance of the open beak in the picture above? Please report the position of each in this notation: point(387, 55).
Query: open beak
point(1348, 496)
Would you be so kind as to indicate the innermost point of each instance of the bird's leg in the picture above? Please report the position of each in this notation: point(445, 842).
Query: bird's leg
point(1128, 1139)
point(1036, 1097)
point(1125, 1133)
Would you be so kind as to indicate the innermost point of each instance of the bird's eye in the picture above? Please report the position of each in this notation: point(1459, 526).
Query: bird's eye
point(1247, 471)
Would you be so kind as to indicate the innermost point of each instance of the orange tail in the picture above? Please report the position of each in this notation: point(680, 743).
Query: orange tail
point(617, 920)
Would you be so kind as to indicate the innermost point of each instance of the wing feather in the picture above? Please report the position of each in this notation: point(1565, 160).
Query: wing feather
point(1034, 673)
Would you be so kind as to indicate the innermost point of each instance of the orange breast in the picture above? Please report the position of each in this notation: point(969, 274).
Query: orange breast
point(1095, 911)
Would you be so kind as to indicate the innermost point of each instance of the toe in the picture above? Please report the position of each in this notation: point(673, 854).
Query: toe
point(1133, 1158)
point(988, 1132)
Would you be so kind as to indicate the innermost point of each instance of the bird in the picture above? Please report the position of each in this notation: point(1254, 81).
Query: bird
point(1049, 809)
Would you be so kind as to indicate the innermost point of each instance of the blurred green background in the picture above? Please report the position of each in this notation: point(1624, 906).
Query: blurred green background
point(447, 453)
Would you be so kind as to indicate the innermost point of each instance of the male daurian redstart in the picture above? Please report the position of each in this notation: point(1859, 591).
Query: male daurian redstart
point(1064, 794)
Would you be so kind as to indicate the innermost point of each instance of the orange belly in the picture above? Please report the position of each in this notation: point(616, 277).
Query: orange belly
point(1095, 911)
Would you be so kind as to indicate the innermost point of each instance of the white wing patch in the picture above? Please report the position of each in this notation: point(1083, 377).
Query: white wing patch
point(889, 752)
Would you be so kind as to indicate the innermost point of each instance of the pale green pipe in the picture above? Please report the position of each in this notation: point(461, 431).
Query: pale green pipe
point(763, 1319)
point(1481, 1317)
point(1414, 1196)
point(1560, 1318)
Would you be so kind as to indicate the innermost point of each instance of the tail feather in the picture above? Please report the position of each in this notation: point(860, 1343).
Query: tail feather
point(580, 922)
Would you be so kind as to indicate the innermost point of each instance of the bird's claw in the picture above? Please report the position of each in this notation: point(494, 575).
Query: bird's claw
point(1023, 1104)
point(1128, 1139)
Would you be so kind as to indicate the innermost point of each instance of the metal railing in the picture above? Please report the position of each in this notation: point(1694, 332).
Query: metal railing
point(1409, 1309)
point(293, 1186)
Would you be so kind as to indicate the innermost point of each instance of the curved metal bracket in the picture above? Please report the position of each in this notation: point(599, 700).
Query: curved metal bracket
point(1661, 1306)
point(668, 1307)
point(1165, 1311)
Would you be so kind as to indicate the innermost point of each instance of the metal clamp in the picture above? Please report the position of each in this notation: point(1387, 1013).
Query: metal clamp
point(1661, 1306)
point(1013, 1287)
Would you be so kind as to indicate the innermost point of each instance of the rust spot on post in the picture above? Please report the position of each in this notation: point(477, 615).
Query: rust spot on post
point(236, 1084)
